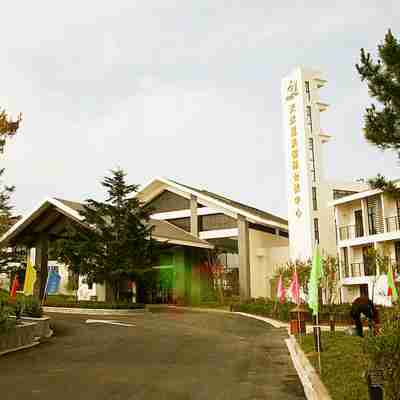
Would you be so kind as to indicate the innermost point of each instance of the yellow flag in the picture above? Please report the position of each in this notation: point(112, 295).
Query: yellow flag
point(30, 278)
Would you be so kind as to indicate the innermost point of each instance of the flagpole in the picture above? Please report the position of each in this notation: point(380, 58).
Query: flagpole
point(318, 343)
point(298, 303)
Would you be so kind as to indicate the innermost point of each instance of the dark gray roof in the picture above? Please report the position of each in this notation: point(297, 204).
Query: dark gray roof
point(252, 210)
point(162, 229)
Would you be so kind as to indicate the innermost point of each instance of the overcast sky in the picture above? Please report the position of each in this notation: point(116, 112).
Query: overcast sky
point(188, 90)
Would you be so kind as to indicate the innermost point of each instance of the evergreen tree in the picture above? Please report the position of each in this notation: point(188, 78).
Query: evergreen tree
point(382, 125)
point(114, 242)
point(7, 128)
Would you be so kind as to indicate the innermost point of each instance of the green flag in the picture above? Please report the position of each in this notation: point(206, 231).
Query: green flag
point(392, 290)
point(313, 283)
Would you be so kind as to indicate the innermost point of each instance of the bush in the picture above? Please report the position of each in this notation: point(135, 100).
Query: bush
point(73, 303)
point(5, 312)
point(32, 307)
point(383, 352)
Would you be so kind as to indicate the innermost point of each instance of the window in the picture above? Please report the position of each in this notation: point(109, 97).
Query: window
point(307, 85)
point(309, 117)
point(372, 220)
point(346, 262)
point(316, 230)
point(314, 198)
point(359, 223)
point(312, 158)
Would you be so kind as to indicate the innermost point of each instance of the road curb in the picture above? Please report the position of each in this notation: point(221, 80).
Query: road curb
point(27, 346)
point(92, 311)
point(270, 321)
point(314, 389)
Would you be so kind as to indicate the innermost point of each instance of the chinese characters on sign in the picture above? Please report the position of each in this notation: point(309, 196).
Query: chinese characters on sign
point(294, 150)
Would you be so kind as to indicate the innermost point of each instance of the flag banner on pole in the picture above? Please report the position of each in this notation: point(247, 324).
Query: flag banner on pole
point(392, 290)
point(313, 284)
point(295, 288)
point(281, 291)
point(30, 278)
point(14, 287)
point(53, 282)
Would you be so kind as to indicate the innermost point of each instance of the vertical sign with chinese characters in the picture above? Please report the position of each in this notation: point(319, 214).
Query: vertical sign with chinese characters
point(291, 93)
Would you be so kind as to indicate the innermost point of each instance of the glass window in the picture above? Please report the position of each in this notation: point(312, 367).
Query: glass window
point(308, 93)
point(314, 198)
point(316, 230)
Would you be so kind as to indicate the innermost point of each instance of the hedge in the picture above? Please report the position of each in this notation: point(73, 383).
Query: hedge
point(273, 309)
point(73, 303)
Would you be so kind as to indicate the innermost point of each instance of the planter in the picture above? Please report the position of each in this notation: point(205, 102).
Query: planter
point(41, 326)
point(20, 336)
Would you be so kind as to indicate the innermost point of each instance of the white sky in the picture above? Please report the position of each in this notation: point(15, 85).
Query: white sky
point(143, 84)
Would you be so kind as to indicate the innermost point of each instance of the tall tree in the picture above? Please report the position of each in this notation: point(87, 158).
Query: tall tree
point(8, 128)
point(382, 125)
point(115, 242)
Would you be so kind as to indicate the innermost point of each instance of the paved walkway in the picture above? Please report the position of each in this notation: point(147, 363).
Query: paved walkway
point(173, 354)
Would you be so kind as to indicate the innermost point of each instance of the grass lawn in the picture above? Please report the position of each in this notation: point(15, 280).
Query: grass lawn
point(343, 364)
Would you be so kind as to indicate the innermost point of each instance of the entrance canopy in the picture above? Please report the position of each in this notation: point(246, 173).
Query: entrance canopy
point(53, 215)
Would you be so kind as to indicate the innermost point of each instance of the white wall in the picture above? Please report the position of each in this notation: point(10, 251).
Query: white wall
point(266, 252)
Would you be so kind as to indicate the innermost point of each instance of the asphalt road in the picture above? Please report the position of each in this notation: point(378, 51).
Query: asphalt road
point(169, 355)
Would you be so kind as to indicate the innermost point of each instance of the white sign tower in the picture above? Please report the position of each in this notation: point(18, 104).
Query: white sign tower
point(310, 219)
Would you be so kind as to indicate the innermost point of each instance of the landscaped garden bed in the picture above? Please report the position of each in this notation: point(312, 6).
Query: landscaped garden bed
point(72, 302)
point(343, 364)
point(273, 309)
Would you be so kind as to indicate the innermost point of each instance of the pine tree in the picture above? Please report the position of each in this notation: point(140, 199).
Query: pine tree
point(382, 125)
point(7, 128)
point(114, 242)
point(6, 221)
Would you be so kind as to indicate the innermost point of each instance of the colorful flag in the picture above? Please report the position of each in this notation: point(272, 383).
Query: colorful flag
point(281, 291)
point(313, 284)
point(53, 282)
point(295, 287)
point(14, 287)
point(30, 278)
point(392, 290)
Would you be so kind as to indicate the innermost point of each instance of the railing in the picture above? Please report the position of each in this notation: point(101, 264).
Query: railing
point(355, 270)
point(393, 223)
point(350, 232)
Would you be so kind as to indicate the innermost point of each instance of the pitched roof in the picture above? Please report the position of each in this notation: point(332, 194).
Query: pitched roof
point(163, 231)
point(249, 209)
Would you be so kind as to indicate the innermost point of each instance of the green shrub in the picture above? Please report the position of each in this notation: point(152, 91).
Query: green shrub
point(5, 312)
point(383, 352)
point(32, 307)
point(92, 304)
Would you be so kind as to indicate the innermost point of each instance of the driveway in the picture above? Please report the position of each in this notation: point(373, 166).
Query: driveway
point(170, 354)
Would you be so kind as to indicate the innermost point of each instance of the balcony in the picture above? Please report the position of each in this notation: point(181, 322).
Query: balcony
point(350, 232)
point(355, 270)
point(359, 269)
point(392, 223)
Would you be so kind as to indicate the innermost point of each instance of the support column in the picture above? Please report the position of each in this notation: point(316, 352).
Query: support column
point(244, 258)
point(41, 265)
point(194, 222)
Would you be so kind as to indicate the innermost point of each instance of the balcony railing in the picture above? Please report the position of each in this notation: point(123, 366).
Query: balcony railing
point(355, 270)
point(393, 223)
point(351, 232)
point(358, 269)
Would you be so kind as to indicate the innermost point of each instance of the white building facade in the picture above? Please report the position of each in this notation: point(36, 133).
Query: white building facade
point(367, 220)
point(310, 218)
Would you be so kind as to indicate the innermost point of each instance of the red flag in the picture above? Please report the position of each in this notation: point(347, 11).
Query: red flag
point(295, 288)
point(14, 287)
point(281, 291)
